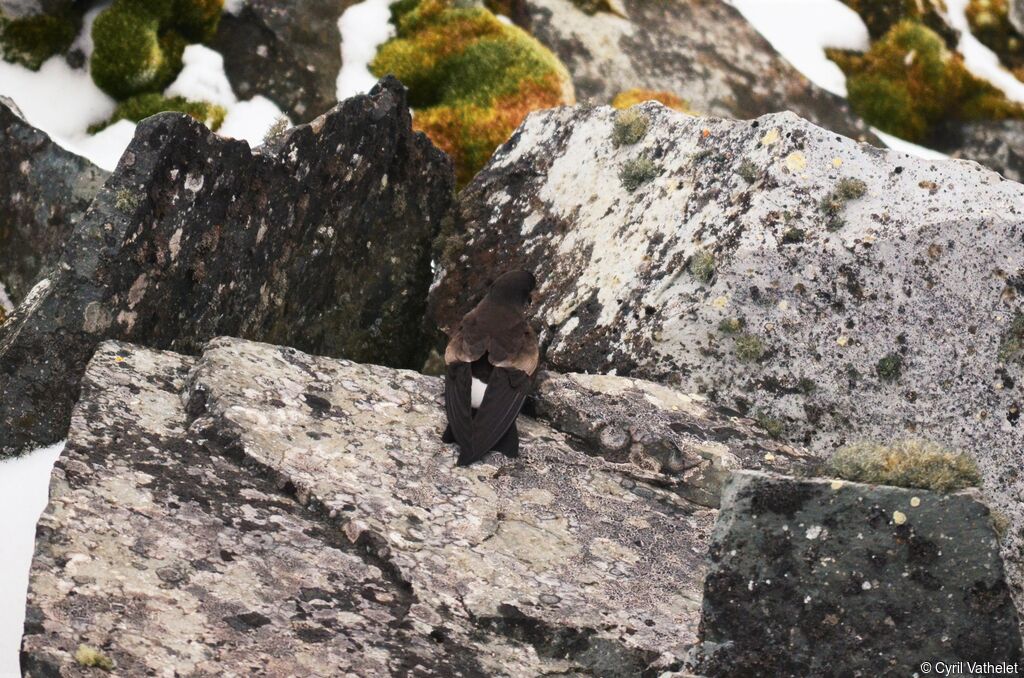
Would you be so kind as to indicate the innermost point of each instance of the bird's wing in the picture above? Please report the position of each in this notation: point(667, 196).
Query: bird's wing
point(515, 349)
point(506, 391)
point(457, 402)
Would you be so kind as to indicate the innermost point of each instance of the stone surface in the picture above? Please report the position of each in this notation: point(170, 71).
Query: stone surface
point(1016, 14)
point(999, 145)
point(44, 191)
point(258, 506)
point(321, 241)
point(684, 437)
point(286, 51)
point(704, 52)
point(825, 578)
point(893, 324)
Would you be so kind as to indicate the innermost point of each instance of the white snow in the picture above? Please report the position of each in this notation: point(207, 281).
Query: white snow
point(64, 102)
point(800, 30)
point(903, 146)
point(364, 27)
point(234, 6)
point(980, 60)
point(24, 486)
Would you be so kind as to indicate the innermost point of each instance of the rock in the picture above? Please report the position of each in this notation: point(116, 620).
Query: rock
point(818, 577)
point(745, 267)
point(321, 241)
point(995, 144)
point(258, 508)
point(663, 430)
point(1016, 14)
point(44, 191)
point(704, 52)
point(287, 52)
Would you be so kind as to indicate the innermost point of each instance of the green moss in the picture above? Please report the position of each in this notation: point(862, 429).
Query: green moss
point(32, 40)
point(702, 265)
point(773, 427)
point(144, 105)
point(748, 171)
point(126, 200)
point(89, 656)
point(471, 78)
point(793, 235)
point(629, 127)
point(139, 43)
point(731, 325)
point(890, 367)
point(749, 348)
point(905, 463)
point(636, 172)
point(909, 84)
point(1011, 347)
point(833, 204)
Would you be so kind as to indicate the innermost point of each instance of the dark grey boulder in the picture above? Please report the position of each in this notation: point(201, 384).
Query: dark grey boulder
point(705, 52)
point(285, 51)
point(321, 242)
point(828, 578)
point(44, 191)
point(997, 144)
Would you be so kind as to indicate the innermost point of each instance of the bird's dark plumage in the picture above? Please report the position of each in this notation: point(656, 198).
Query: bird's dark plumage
point(496, 345)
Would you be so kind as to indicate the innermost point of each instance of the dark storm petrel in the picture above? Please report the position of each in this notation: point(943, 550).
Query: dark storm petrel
point(491, 360)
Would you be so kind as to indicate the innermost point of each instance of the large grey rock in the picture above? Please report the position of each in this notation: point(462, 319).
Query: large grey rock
point(704, 52)
point(899, 322)
point(44, 191)
point(1016, 14)
point(689, 440)
point(826, 578)
point(286, 51)
point(998, 145)
point(321, 241)
point(259, 509)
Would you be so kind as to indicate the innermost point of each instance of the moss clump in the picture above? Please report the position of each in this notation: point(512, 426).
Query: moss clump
point(881, 15)
point(748, 171)
point(632, 97)
point(32, 40)
point(629, 127)
point(138, 44)
point(126, 200)
point(793, 235)
point(637, 172)
point(731, 325)
point(144, 105)
point(909, 84)
point(749, 348)
point(990, 23)
point(3, 315)
point(87, 655)
point(905, 463)
point(471, 78)
point(773, 427)
point(277, 130)
point(890, 367)
point(1011, 347)
point(702, 265)
point(833, 204)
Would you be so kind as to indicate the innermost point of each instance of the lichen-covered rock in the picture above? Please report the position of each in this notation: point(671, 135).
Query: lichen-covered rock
point(31, 31)
point(998, 145)
point(693, 443)
point(706, 53)
point(259, 509)
point(287, 52)
point(830, 290)
point(828, 578)
point(44, 191)
point(321, 241)
point(472, 78)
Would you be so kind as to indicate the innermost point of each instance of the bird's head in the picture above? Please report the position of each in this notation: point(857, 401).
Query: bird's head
point(514, 287)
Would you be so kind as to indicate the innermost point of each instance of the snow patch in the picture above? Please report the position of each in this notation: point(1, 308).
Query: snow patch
point(364, 27)
point(897, 144)
point(980, 60)
point(24, 486)
point(250, 120)
point(203, 77)
point(800, 30)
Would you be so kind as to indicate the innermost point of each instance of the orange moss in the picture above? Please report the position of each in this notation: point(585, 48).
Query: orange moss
point(632, 97)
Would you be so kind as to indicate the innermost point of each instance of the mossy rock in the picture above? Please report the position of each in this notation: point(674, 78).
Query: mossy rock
point(881, 15)
point(909, 84)
point(139, 43)
point(990, 23)
point(632, 97)
point(31, 40)
point(142, 106)
point(471, 78)
point(905, 463)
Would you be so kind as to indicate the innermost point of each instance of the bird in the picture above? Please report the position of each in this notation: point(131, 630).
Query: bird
point(490, 362)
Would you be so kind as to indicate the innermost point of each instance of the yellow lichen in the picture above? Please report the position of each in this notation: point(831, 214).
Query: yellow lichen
point(87, 655)
point(905, 463)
